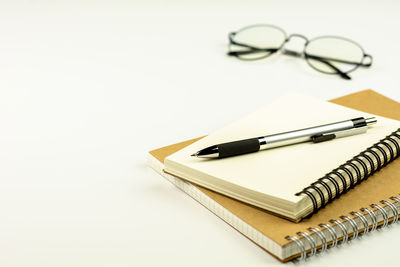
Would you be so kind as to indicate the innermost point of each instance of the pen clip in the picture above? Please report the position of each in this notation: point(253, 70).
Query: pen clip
point(318, 138)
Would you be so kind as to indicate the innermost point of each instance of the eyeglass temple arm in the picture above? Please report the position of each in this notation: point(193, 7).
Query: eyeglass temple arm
point(322, 60)
point(272, 50)
point(326, 60)
point(368, 64)
point(253, 50)
point(245, 52)
point(230, 36)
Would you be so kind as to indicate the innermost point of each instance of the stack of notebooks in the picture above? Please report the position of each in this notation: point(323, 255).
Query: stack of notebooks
point(298, 200)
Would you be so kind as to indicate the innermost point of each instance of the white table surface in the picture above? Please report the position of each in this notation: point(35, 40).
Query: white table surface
point(88, 87)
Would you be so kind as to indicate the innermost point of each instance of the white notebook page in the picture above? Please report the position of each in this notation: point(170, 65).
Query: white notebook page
point(281, 172)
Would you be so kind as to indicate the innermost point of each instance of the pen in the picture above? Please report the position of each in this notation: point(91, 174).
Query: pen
point(315, 134)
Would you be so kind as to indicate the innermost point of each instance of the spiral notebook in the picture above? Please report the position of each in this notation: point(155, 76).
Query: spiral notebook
point(293, 181)
point(342, 220)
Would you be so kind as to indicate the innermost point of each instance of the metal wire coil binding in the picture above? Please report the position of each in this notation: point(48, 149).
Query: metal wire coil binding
point(395, 212)
point(326, 233)
point(353, 225)
point(384, 214)
point(363, 220)
point(321, 236)
point(342, 227)
point(300, 245)
point(332, 232)
point(376, 156)
point(372, 216)
point(310, 240)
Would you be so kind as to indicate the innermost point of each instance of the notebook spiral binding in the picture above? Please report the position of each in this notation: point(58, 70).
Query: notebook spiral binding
point(307, 243)
point(353, 172)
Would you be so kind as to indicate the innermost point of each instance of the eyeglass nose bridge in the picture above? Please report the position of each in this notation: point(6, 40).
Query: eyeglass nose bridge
point(291, 52)
point(296, 35)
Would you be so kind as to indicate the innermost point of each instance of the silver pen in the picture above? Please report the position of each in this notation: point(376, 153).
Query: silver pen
point(315, 134)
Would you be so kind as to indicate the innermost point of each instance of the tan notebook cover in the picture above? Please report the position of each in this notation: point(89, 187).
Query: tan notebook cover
point(381, 185)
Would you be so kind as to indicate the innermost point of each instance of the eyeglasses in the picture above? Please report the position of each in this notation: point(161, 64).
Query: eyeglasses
point(327, 54)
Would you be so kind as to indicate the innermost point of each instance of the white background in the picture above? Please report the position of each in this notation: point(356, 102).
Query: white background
point(88, 87)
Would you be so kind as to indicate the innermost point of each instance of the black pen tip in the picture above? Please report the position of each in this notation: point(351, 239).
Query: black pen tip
point(194, 155)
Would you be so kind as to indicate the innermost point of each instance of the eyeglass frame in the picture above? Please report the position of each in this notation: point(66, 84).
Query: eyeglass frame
point(302, 54)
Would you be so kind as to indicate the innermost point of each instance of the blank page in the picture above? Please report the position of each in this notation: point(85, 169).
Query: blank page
point(280, 172)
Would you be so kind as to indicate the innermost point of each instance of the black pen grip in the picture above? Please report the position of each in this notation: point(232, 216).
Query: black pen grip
point(238, 147)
